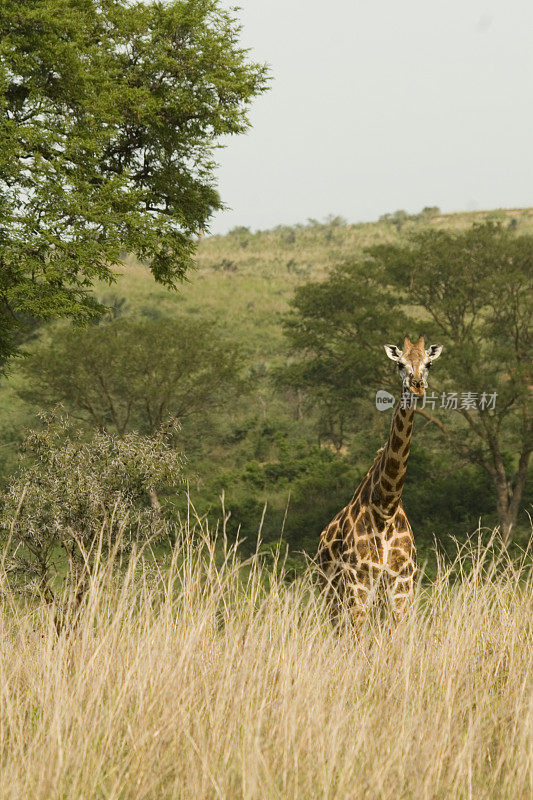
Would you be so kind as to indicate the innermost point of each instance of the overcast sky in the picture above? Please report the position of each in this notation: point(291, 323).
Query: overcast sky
point(377, 105)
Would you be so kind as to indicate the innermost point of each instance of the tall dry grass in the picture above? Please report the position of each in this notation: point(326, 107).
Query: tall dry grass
point(207, 679)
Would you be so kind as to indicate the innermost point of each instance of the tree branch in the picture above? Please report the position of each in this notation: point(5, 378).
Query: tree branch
point(455, 438)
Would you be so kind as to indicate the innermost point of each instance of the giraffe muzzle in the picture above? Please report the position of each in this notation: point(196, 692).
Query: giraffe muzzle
point(417, 387)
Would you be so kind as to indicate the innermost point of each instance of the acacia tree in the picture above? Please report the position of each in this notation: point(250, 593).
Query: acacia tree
point(476, 288)
point(335, 331)
point(470, 291)
point(128, 374)
point(109, 113)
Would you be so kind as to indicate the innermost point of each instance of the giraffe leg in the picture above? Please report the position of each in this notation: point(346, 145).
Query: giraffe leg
point(347, 601)
point(357, 607)
point(401, 602)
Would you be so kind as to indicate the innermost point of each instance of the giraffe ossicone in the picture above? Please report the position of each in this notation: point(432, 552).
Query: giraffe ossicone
point(367, 553)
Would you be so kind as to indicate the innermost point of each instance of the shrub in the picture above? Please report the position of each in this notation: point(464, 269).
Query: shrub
point(73, 501)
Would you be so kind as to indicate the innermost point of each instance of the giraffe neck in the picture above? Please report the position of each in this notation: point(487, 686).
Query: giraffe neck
point(389, 470)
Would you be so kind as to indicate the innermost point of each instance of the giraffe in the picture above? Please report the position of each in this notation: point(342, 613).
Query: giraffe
point(367, 552)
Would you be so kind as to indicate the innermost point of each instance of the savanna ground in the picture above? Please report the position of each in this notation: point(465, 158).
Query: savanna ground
point(209, 677)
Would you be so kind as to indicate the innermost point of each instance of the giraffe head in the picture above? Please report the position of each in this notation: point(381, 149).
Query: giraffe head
point(413, 363)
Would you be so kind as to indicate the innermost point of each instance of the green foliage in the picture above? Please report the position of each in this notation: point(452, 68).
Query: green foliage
point(324, 485)
point(109, 113)
point(239, 230)
point(336, 331)
point(294, 487)
point(464, 494)
point(475, 292)
point(469, 290)
point(429, 212)
point(133, 373)
point(397, 219)
point(82, 499)
point(400, 217)
point(272, 443)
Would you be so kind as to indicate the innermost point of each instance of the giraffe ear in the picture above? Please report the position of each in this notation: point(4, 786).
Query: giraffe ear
point(433, 352)
point(393, 352)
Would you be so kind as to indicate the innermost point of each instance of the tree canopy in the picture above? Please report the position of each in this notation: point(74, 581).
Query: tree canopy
point(133, 374)
point(109, 114)
point(471, 292)
point(336, 330)
point(476, 293)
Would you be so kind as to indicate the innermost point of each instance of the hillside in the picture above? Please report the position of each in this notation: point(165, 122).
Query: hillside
point(244, 281)
point(247, 278)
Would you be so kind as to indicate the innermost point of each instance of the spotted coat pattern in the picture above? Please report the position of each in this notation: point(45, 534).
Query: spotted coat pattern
point(367, 553)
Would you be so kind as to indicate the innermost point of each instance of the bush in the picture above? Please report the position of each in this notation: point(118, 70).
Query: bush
point(73, 501)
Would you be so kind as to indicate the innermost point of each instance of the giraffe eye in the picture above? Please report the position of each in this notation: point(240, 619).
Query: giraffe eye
point(428, 365)
point(400, 365)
